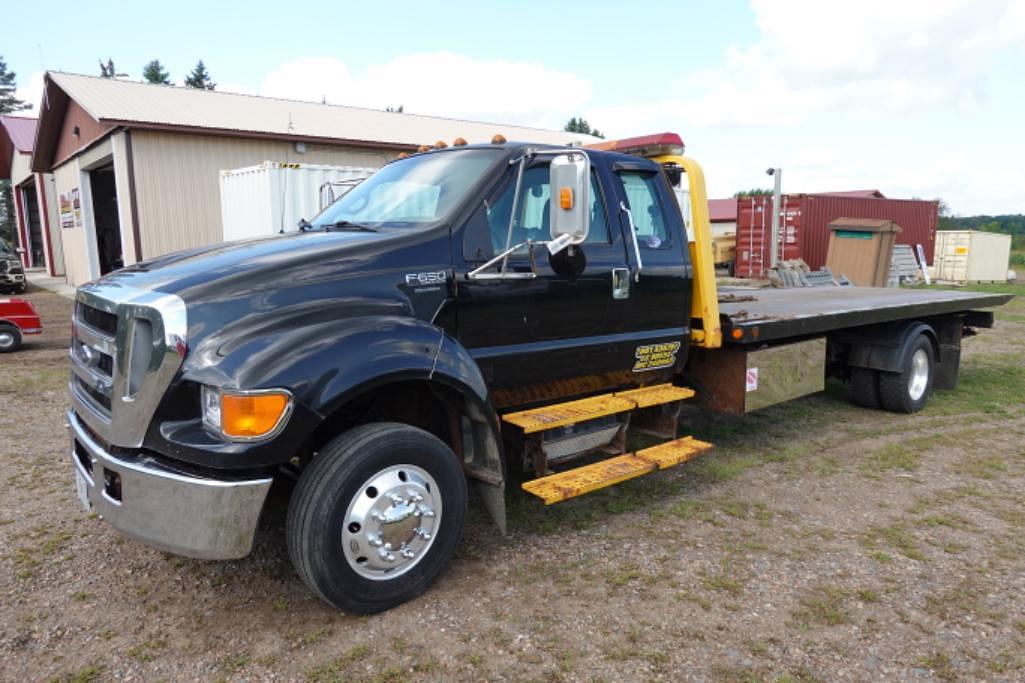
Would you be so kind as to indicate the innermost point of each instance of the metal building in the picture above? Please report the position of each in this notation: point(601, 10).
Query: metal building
point(137, 165)
point(35, 206)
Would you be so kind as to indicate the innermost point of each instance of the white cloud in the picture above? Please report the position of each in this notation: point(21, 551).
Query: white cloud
point(813, 57)
point(847, 97)
point(31, 92)
point(441, 84)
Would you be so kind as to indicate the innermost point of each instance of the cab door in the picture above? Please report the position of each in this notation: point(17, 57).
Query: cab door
point(658, 317)
point(553, 336)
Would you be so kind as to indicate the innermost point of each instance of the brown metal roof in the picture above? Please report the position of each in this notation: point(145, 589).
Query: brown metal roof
point(16, 134)
point(21, 130)
point(865, 194)
point(722, 210)
point(142, 105)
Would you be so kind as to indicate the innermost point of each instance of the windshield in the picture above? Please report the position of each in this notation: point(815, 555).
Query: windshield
point(415, 191)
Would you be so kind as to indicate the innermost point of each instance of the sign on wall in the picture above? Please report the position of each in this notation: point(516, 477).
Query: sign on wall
point(71, 209)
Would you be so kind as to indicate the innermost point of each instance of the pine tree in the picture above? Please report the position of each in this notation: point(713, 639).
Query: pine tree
point(580, 125)
point(200, 78)
point(8, 102)
point(154, 73)
point(109, 71)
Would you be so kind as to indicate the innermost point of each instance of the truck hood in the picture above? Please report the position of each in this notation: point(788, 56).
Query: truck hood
point(238, 291)
point(231, 269)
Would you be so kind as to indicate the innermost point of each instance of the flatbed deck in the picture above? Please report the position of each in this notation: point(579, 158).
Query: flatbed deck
point(773, 314)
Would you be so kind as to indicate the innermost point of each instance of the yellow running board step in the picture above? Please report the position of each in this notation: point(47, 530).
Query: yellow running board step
point(556, 488)
point(571, 412)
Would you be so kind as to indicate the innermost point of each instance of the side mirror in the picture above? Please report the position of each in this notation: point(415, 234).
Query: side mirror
point(570, 212)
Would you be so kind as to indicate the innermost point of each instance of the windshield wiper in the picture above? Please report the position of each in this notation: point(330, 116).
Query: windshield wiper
point(349, 225)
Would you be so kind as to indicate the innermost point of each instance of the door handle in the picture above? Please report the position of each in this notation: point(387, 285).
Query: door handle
point(620, 283)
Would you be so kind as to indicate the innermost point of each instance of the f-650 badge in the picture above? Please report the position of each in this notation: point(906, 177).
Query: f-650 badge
point(655, 356)
point(421, 279)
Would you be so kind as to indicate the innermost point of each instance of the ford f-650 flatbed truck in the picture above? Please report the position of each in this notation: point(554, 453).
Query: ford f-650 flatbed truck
point(462, 312)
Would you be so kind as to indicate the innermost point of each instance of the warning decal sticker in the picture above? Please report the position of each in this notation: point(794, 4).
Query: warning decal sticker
point(656, 356)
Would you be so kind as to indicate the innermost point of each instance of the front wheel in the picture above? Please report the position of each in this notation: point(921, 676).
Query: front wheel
point(10, 338)
point(376, 516)
point(908, 390)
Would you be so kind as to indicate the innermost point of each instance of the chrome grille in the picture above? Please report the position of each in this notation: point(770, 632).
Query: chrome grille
point(126, 346)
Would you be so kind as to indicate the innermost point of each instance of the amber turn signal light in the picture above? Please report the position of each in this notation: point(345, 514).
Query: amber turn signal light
point(566, 198)
point(250, 416)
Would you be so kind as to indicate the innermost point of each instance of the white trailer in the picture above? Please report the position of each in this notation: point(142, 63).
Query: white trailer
point(271, 197)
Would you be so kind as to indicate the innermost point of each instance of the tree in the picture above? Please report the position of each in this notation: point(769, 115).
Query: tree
point(6, 213)
point(757, 192)
point(8, 102)
point(200, 78)
point(580, 125)
point(154, 73)
point(109, 71)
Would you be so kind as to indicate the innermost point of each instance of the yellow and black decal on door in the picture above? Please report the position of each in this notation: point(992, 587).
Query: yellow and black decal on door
point(655, 356)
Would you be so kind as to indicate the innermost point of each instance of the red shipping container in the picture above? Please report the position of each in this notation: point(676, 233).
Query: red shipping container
point(804, 222)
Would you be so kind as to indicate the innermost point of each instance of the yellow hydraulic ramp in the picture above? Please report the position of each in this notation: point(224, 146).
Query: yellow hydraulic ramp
point(556, 488)
point(571, 412)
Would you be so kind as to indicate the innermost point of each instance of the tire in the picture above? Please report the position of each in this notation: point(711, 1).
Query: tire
point(10, 338)
point(864, 389)
point(907, 391)
point(338, 531)
point(22, 288)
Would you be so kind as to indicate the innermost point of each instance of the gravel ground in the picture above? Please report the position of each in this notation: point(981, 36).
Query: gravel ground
point(817, 542)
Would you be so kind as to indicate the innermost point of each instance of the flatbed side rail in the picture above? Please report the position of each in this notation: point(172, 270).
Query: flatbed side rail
point(705, 301)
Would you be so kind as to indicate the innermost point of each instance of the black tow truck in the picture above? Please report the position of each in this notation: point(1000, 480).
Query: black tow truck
point(461, 313)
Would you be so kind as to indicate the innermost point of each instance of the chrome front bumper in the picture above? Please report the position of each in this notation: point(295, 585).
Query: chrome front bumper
point(186, 515)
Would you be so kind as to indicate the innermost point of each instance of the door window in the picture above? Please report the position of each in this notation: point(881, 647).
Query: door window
point(533, 211)
point(642, 197)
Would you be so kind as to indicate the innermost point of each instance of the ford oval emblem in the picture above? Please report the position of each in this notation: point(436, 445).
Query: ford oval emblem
point(87, 355)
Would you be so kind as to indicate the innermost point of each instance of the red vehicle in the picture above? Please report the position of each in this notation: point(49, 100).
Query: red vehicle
point(17, 318)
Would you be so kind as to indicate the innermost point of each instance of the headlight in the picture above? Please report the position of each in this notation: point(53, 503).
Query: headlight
point(245, 415)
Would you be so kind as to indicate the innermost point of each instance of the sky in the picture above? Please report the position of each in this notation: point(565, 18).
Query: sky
point(916, 98)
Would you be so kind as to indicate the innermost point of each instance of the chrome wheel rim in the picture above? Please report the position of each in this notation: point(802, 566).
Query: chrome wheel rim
point(919, 379)
point(390, 524)
point(6, 339)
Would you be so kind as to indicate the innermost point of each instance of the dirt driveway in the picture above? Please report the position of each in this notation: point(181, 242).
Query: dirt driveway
point(818, 542)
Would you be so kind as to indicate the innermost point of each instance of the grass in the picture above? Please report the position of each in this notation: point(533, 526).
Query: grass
point(823, 606)
point(314, 637)
point(337, 669)
point(88, 674)
point(965, 599)
point(940, 664)
point(896, 536)
point(904, 456)
point(726, 579)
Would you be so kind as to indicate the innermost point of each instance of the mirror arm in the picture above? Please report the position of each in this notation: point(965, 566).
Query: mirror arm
point(512, 213)
point(633, 237)
point(479, 274)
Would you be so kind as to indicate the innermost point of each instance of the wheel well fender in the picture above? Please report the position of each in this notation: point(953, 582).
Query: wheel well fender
point(887, 348)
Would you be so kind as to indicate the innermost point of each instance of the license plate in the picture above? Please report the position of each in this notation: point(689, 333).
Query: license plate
point(82, 489)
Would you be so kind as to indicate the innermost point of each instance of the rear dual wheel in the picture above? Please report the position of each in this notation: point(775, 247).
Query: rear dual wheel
point(376, 516)
point(898, 392)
